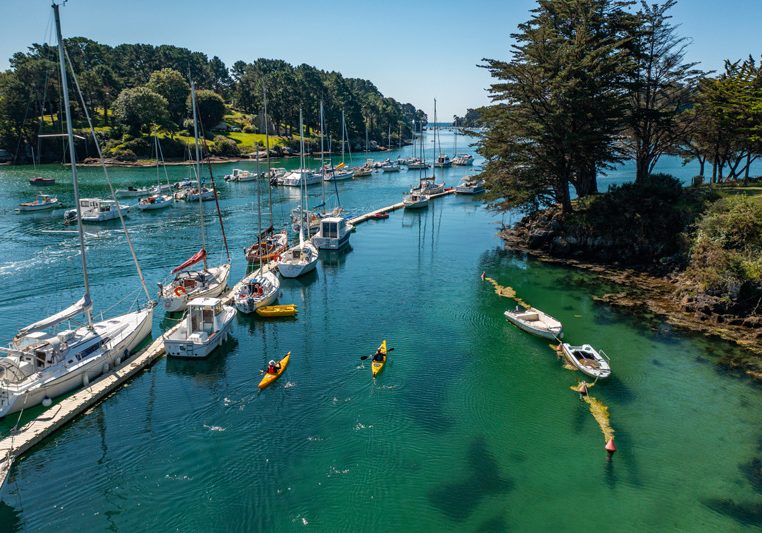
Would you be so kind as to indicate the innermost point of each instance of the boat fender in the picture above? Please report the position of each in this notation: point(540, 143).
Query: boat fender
point(47, 402)
point(180, 291)
point(85, 380)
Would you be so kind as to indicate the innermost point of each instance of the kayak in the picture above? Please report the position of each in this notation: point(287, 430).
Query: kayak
point(277, 310)
point(269, 379)
point(378, 366)
point(380, 216)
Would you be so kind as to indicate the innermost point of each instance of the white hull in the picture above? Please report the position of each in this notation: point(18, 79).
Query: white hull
point(587, 360)
point(154, 206)
point(293, 268)
point(178, 345)
point(32, 208)
point(173, 302)
point(469, 189)
point(536, 322)
point(339, 176)
point(416, 203)
point(123, 338)
point(247, 303)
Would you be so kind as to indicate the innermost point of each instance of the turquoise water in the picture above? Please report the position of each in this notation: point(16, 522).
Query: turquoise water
point(470, 427)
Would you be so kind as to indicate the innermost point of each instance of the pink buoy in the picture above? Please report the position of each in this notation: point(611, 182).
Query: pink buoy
point(610, 446)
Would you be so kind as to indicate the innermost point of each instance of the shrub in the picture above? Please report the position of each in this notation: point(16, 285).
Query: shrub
point(124, 154)
point(225, 147)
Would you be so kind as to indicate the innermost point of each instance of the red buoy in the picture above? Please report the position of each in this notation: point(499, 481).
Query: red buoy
point(610, 446)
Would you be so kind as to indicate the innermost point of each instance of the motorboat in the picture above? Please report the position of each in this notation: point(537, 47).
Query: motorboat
point(94, 210)
point(134, 192)
point(443, 161)
point(298, 177)
point(333, 234)
point(465, 160)
point(470, 185)
point(535, 322)
point(256, 290)
point(155, 201)
point(241, 175)
point(390, 167)
point(42, 181)
point(589, 360)
point(275, 175)
point(204, 194)
point(41, 203)
point(428, 187)
point(206, 326)
point(415, 201)
point(417, 164)
point(363, 171)
point(338, 174)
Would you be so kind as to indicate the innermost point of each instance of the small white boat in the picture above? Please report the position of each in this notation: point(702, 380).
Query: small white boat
point(191, 284)
point(470, 185)
point(298, 260)
point(300, 176)
point(205, 326)
point(333, 234)
point(41, 203)
point(338, 174)
point(417, 164)
point(535, 322)
point(274, 175)
point(391, 167)
point(134, 192)
point(588, 360)
point(427, 186)
point(415, 201)
point(205, 194)
point(155, 201)
point(363, 171)
point(259, 289)
point(465, 160)
point(241, 175)
point(96, 210)
point(443, 161)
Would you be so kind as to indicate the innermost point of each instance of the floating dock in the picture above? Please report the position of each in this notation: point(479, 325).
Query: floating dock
point(57, 416)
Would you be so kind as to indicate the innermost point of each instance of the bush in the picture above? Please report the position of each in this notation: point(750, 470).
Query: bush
point(124, 154)
point(225, 147)
point(140, 147)
point(248, 128)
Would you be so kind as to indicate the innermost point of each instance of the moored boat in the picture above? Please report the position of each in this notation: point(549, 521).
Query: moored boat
point(205, 326)
point(536, 322)
point(587, 359)
point(155, 201)
point(42, 181)
point(415, 201)
point(94, 210)
point(470, 185)
point(333, 234)
point(259, 289)
point(277, 311)
point(41, 203)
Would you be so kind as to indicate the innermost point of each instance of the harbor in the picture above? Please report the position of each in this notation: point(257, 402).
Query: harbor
point(462, 385)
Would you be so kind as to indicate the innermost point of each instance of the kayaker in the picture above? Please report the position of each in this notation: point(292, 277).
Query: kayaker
point(273, 367)
point(379, 356)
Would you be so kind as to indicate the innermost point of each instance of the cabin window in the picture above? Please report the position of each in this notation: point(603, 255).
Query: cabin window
point(208, 320)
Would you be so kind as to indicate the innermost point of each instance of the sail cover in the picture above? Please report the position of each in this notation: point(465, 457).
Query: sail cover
point(82, 305)
point(200, 255)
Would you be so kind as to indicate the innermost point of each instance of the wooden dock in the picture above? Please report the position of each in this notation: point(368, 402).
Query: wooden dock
point(53, 419)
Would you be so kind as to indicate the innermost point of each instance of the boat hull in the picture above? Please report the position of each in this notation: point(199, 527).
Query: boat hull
point(174, 303)
point(188, 349)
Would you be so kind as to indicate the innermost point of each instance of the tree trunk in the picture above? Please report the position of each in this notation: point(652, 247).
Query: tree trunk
point(586, 182)
point(702, 162)
point(565, 198)
point(641, 171)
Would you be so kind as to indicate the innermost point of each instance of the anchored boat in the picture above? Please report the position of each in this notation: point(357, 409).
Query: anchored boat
point(41, 203)
point(535, 322)
point(588, 360)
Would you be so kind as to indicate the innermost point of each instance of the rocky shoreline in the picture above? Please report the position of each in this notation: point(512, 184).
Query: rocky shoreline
point(645, 291)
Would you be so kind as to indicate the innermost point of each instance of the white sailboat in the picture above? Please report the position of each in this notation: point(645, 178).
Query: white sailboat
point(340, 172)
point(157, 200)
point(190, 284)
point(260, 288)
point(41, 364)
point(303, 257)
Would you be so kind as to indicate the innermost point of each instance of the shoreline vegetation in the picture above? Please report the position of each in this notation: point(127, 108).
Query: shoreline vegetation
point(135, 92)
point(592, 83)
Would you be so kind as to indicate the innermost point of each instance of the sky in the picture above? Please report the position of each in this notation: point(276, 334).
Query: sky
point(412, 50)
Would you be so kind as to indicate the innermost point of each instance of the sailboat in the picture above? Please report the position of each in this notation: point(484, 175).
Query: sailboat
point(40, 364)
point(190, 284)
point(269, 243)
point(261, 287)
point(157, 200)
point(340, 172)
point(427, 186)
point(302, 258)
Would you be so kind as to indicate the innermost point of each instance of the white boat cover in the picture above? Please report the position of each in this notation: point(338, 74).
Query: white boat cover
point(81, 306)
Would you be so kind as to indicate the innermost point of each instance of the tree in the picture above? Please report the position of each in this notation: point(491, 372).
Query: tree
point(660, 86)
point(559, 103)
point(211, 108)
point(171, 85)
point(139, 108)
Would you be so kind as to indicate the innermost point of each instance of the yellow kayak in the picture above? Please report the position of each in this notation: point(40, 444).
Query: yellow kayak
point(269, 379)
point(378, 366)
point(277, 310)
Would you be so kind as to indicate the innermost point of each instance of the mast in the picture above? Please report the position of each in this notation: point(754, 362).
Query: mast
point(303, 183)
point(366, 137)
point(343, 128)
point(436, 136)
point(322, 152)
point(267, 147)
point(198, 171)
point(73, 157)
point(259, 215)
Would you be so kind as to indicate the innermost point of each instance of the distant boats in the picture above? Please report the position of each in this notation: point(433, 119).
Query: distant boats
point(470, 185)
point(42, 181)
point(415, 200)
point(242, 175)
point(156, 201)
point(94, 210)
point(465, 160)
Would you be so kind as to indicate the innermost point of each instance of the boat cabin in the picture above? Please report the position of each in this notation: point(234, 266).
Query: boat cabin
point(334, 233)
point(204, 317)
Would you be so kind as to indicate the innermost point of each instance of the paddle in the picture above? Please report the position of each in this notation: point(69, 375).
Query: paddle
point(364, 357)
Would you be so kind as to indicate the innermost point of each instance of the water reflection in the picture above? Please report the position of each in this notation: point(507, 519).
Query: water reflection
point(205, 371)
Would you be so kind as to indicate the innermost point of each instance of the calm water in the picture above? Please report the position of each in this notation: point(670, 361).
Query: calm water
point(470, 427)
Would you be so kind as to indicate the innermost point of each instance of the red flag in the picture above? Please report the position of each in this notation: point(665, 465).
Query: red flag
point(200, 255)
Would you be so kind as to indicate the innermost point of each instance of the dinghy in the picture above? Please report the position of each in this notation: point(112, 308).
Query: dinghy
point(588, 360)
point(535, 322)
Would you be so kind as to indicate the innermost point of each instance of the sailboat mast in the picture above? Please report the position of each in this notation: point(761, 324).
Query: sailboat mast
point(366, 137)
point(322, 152)
point(303, 184)
point(267, 147)
point(259, 214)
point(436, 136)
point(343, 128)
point(73, 157)
point(198, 170)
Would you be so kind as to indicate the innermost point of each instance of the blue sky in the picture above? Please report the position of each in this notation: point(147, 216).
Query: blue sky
point(412, 50)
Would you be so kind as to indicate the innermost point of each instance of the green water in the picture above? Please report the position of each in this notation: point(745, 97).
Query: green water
point(470, 427)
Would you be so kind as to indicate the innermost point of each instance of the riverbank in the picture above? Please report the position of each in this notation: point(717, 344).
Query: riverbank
point(654, 293)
